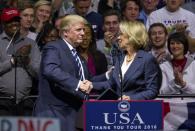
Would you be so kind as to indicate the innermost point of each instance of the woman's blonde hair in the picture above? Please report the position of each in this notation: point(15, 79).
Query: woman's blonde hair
point(42, 2)
point(136, 32)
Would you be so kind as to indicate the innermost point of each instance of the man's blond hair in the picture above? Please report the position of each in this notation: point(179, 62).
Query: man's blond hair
point(70, 20)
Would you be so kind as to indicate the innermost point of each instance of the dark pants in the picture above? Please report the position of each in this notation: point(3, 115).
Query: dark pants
point(7, 106)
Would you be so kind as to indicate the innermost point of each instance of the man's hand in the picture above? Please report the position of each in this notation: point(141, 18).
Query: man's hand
point(181, 27)
point(110, 3)
point(160, 56)
point(22, 60)
point(124, 97)
point(86, 86)
point(22, 55)
point(24, 50)
point(108, 37)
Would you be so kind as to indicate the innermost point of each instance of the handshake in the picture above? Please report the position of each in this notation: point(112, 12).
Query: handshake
point(86, 86)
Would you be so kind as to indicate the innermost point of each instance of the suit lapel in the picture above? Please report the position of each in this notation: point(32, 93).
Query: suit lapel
point(68, 54)
point(131, 72)
point(72, 59)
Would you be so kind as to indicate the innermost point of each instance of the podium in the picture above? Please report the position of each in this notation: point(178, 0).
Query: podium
point(123, 115)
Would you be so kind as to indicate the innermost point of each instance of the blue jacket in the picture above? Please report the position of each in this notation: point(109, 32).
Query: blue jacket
point(142, 80)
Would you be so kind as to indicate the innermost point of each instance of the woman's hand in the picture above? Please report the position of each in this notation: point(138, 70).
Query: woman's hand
point(178, 77)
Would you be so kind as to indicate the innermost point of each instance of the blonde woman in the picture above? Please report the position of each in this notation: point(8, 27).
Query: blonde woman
point(141, 75)
point(43, 12)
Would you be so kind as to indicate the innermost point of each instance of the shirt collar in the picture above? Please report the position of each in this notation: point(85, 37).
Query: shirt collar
point(68, 44)
point(5, 36)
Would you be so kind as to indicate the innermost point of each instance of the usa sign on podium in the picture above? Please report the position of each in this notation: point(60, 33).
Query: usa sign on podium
point(117, 115)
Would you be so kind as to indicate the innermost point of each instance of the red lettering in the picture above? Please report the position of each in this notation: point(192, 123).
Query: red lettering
point(46, 124)
point(34, 127)
point(31, 127)
point(22, 126)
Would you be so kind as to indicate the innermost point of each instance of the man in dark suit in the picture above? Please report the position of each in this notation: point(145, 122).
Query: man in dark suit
point(62, 87)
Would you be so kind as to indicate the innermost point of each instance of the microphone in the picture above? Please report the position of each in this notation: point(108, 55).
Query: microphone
point(12, 53)
point(115, 45)
point(117, 54)
point(13, 39)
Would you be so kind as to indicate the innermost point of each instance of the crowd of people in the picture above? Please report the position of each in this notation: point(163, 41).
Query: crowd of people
point(65, 51)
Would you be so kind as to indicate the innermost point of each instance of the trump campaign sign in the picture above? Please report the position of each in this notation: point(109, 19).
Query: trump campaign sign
point(123, 115)
point(29, 124)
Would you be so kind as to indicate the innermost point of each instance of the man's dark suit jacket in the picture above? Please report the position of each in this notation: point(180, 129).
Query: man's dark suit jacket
point(58, 81)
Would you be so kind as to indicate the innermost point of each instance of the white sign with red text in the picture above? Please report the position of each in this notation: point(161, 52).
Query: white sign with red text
point(29, 124)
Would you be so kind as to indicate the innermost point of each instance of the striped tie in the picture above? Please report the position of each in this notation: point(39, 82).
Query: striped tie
point(75, 55)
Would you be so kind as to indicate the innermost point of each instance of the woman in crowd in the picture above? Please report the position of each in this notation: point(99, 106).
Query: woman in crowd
point(178, 74)
point(96, 61)
point(50, 33)
point(43, 12)
point(141, 75)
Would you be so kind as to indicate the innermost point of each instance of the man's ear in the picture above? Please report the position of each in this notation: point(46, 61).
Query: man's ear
point(64, 33)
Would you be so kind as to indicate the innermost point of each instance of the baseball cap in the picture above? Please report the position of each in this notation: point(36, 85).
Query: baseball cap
point(9, 14)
